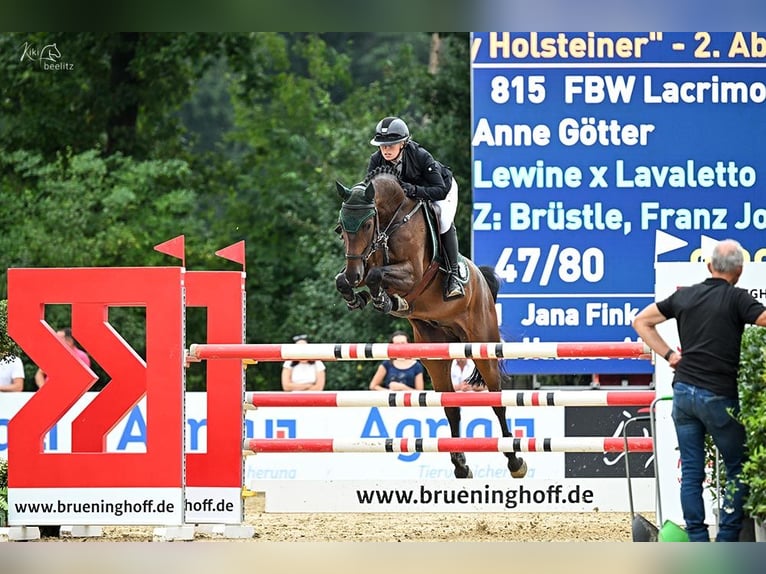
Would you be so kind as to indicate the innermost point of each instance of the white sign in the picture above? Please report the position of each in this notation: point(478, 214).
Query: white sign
point(472, 495)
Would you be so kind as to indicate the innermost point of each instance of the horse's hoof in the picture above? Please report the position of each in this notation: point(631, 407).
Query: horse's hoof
point(520, 472)
point(357, 300)
point(384, 306)
point(400, 307)
point(463, 472)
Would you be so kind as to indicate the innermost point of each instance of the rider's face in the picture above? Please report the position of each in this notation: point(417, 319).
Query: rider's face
point(391, 152)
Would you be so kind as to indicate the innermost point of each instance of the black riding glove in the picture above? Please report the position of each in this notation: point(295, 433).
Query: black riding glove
point(412, 191)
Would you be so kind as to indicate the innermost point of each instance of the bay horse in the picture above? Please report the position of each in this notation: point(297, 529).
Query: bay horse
point(391, 248)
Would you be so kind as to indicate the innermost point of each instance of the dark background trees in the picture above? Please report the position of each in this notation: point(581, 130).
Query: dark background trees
point(220, 137)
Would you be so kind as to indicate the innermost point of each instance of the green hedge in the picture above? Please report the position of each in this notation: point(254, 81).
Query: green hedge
point(752, 388)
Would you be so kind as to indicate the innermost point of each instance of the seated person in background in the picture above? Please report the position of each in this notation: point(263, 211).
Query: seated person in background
point(303, 375)
point(461, 370)
point(398, 374)
point(11, 374)
point(65, 335)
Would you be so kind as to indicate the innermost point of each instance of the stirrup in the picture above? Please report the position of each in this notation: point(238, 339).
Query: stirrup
point(452, 287)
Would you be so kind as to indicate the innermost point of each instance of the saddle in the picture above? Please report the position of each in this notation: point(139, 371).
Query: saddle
point(438, 261)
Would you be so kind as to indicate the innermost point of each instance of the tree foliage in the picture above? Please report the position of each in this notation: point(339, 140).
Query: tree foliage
point(121, 93)
point(219, 137)
point(8, 346)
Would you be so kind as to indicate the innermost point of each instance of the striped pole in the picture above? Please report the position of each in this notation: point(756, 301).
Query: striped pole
point(467, 399)
point(380, 351)
point(407, 445)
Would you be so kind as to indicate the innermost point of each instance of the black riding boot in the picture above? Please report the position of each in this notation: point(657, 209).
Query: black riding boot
point(452, 286)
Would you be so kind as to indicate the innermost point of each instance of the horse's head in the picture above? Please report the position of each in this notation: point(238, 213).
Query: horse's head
point(371, 212)
point(359, 225)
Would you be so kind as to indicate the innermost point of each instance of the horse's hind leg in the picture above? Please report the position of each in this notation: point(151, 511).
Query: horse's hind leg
point(458, 458)
point(490, 372)
point(516, 465)
point(440, 379)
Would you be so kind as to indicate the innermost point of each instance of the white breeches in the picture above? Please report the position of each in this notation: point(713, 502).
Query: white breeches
point(446, 208)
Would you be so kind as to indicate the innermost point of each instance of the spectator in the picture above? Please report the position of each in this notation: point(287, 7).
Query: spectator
point(303, 375)
point(460, 372)
point(66, 336)
point(711, 317)
point(398, 374)
point(11, 374)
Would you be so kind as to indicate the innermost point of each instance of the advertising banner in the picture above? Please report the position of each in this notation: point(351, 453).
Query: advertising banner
point(554, 478)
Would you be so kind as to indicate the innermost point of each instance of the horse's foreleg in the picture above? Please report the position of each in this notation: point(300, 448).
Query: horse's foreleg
point(458, 458)
point(516, 465)
point(380, 299)
point(396, 279)
point(354, 299)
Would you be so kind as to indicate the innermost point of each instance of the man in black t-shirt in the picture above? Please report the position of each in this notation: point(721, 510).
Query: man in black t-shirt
point(711, 317)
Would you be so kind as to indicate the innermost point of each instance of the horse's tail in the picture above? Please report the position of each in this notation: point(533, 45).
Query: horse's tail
point(507, 379)
point(492, 280)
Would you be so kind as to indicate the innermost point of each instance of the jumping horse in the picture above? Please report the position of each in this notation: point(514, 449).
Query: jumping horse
point(392, 248)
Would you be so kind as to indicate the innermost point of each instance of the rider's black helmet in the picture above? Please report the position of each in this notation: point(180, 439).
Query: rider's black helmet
point(389, 131)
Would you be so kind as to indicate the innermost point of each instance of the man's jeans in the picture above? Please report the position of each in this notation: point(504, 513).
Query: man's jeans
point(697, 411)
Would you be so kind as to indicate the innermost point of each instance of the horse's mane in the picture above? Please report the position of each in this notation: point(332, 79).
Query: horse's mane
point(382, 170)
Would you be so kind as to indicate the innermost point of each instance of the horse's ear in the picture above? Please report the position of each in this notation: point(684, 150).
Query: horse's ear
point(343, 191)
point(369, 193)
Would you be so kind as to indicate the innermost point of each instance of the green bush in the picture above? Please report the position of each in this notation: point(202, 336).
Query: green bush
point(752, 389)
point(3, 485)
point(7, 347)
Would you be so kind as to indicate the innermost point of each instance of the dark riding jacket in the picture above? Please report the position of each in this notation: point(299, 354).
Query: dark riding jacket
point(431, 179)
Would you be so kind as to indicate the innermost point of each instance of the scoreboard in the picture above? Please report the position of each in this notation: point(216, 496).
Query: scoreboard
point(595, 155)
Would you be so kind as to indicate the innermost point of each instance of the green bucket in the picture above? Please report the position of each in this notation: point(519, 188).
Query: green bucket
point(671, 532)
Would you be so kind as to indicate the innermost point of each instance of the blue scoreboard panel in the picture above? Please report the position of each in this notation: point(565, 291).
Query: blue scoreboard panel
point(597, 154)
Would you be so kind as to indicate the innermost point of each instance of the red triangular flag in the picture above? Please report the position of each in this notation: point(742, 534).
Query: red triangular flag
point(173, 247)
point(234, 252)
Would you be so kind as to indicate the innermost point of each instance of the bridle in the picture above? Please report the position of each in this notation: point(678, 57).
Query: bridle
point(379, 238)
